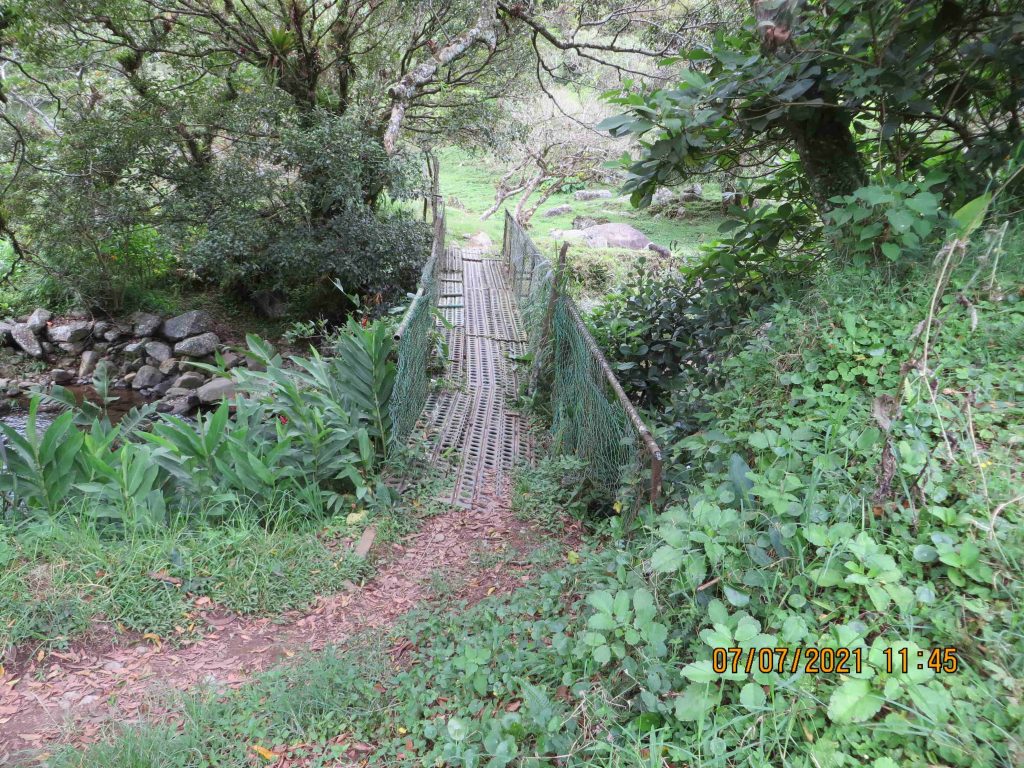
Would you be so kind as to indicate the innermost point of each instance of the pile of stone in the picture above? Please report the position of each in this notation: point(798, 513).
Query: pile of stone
point(148, 354)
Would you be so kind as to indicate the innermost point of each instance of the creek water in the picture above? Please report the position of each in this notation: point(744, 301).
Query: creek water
point(126, 400)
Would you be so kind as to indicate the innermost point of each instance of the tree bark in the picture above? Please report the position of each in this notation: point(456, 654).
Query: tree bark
point(402, 92)
point(828, 155)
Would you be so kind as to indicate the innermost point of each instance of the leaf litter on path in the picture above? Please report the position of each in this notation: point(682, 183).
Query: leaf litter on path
point(70, 697)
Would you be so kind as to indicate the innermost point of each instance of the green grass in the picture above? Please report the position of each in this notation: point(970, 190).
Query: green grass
point(59, 580)
point(472, 180)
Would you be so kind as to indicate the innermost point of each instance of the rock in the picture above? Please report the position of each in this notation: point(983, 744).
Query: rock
point(566, 234)
point(661, 250)
point(37, 320)
point(121, 384)
point(73, 348)
point(147, 377)
point(253, 364)
point(189, 324)
point(190, 380)
point(181, 405)
point(197, 346)
point(158, 351)
point(169, 367)
point(663, 195)
point(134, 347)
point(365, 542)
point(129, 377)
point(76, 330)
point(61, 376)
point(216, 390)
point(558, 210)
point(480, 240)
point(616, 236)
point(232, 360)
point(144, 324)
point(270, 304)
point(115, 334)
point(100, 327)
point(26, 340)
point(585, 222)
point(695, 191)
point(88, 364)
point(162, 388)
point(592, 194)
point(13, 391)
point(179, 392)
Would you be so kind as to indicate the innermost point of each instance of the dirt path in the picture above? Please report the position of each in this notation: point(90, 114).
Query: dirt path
point(68, 697)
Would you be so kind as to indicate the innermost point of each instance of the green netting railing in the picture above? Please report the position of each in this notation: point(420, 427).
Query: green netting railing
point(414, 343)
point(592, 417)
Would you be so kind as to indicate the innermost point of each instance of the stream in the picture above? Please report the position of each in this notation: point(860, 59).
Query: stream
point(127, 399)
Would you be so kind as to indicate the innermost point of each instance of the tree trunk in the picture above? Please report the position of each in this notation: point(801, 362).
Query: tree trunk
point(828, 155)
point(823, 141)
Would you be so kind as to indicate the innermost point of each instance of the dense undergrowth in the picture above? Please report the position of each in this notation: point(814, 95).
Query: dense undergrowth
point(832, 496)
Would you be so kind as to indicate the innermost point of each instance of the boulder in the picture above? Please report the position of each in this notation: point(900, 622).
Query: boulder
point(663, 195)
point(37, 320)
point(26, 340)
point(158, 351)
point(190, 380)
point(146, 377)
point(197, 346)
point(592, 194)
point(215, 391)
point(61, 376)
point(191, 323)
point(144, 324)
point(88, 364)
point(616, 236)
point(75, 330)
point(558, 210)
point(480, 240)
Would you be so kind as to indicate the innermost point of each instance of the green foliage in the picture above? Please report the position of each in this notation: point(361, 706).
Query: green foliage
point(317, 428)
point(910, 83)
point(662, 330)
point(309, 223)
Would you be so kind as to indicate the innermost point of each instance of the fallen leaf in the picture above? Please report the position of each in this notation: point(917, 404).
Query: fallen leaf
point(263, 752)
point(165, 577)
point(154, 637)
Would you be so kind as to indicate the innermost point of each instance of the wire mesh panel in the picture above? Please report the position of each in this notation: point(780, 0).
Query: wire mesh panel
point(415, 342)
point(592, 418)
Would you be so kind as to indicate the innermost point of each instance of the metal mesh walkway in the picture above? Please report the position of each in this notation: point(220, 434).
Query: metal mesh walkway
point(472, 421)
